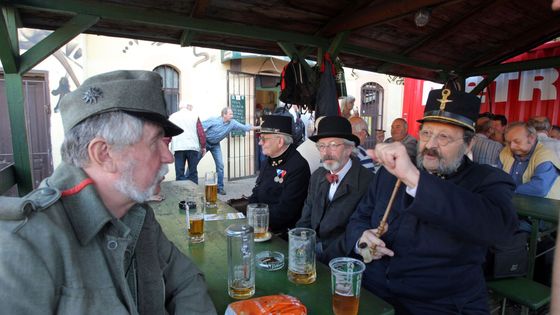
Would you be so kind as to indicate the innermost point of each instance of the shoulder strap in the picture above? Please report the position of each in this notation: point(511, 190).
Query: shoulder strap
point(19, 208)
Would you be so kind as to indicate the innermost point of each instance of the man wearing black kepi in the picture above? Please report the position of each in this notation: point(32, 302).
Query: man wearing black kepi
point(335, 189)
point(444, 217)
point(284, 177)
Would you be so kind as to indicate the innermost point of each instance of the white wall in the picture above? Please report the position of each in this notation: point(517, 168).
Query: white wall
point(203, 84)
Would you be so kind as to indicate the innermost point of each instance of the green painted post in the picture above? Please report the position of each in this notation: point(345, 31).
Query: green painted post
point(16, 110)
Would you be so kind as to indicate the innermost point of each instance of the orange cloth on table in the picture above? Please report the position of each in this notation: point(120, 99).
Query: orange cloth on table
point(271, 304)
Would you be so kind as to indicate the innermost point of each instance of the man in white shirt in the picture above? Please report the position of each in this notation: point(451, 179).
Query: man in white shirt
point(189, 146)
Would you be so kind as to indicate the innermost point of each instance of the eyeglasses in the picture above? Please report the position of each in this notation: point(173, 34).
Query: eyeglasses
point(442, 139)
point(331, 146)
point(265, 139)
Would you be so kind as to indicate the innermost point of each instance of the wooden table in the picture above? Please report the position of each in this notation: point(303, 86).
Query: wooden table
point(211, 258)
point(536, 209)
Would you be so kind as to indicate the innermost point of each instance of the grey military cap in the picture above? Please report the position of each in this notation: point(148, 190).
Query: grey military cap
point(136, 92)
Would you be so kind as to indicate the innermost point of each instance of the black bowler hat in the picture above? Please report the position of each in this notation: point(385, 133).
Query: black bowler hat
point(453, 107)
point(277, 124)
point(335, 127)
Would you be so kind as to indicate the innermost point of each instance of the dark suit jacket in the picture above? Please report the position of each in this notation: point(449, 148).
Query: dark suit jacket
point(440, 237)
point(285, 199)
point(329, 219)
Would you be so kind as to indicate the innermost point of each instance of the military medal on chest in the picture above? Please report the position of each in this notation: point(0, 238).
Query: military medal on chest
point(279, 176)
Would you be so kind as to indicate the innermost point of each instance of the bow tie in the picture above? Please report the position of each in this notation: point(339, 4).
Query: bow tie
point(332, 178)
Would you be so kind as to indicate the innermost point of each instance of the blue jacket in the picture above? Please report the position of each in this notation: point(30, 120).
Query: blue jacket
point(440, 237)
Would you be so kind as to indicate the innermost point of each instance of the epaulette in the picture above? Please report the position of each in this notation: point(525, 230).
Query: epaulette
point(19, 208)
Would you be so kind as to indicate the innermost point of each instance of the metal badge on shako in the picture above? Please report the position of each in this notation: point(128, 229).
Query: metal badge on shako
point(279, 176)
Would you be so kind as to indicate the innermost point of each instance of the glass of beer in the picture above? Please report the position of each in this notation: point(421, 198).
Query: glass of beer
point(346, 279)
point(257, 217)
point(241, 262)
point(195, 218)
point(301, 261)
point(211, 189)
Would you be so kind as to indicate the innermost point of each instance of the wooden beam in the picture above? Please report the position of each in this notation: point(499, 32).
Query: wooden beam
point(290, 50)
point(111, 11)
point(374, 14)
point(186, 38)
point(20, 141)
point(518, 42)
point(393, 58)
point(55, 40)
point(8, 53)
point(542, 63)
point(336, 44)
point(449, 28)
point(484, 83)
point(7, 178)
point(13, 22)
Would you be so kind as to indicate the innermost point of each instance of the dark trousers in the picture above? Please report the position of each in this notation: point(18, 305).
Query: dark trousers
point(191, 157)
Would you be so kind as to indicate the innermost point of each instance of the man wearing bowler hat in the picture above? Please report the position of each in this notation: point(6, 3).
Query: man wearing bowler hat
point(445, 215)
point(86, 242)
point(284, 177)
point(336, 188)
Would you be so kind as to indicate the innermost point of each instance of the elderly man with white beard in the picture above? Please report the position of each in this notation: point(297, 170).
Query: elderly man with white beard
point(445, 215)
point(86, 242)
point(334, 189)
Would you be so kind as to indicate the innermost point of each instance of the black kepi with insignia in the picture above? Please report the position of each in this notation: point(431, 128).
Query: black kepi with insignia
point(450, 106)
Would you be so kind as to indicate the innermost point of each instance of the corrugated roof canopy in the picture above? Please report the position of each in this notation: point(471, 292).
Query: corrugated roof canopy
point(462, 36)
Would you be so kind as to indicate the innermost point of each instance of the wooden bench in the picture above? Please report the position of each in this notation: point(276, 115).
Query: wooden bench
point(523, 291)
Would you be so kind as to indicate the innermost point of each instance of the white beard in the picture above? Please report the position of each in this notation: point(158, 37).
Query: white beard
point(127, 186)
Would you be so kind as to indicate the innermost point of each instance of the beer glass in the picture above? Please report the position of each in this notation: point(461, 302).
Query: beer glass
point(195, 218)
point(211, 189)
point(301, 261)
point(241, 265)
point(346, 279)
point(257, 217)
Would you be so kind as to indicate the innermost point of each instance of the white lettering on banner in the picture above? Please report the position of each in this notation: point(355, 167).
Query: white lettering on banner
point(426, 88)
point(502, 85)
point(542, 79)
point(472, 82)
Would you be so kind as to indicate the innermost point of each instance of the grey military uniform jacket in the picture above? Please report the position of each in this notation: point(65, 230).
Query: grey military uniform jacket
point(74, 257)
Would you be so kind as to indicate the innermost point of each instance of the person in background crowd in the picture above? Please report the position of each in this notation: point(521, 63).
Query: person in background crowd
point(484, 149)
point(360, 130)
point(188, 146)
point(554, 132)
point(90, 244)
point(446, 214)
point(216, 130)
point(308, 149)
point(284, 177)
point(399, 133)
point(499, 123)
point(543, 128)
point(347, 106)
point(533, 167)
point(334, 189)
point(555, 295)
point(379, 136)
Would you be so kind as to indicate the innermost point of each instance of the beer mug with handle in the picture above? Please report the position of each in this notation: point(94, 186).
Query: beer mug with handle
point(301, 260)
point(346, 279)
point(211, 189)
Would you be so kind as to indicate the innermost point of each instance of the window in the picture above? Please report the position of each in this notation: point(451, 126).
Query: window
point(371, 109)
point(170, 87)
